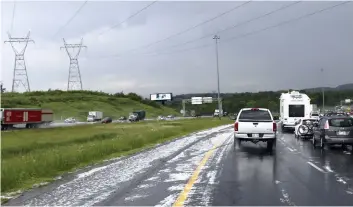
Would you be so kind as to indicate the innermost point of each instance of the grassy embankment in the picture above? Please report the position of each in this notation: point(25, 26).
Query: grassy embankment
point(77, 103)
point(38, 155)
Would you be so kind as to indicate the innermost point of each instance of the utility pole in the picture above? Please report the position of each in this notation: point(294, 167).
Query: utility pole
point(74, 81)
point(216, 38)
point(323, 92)
point(2, 88)
point(20, 76)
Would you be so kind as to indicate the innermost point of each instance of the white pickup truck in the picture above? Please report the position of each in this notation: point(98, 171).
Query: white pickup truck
point(255, 125)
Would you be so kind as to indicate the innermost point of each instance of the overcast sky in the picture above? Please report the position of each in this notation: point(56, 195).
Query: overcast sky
point(288, 56)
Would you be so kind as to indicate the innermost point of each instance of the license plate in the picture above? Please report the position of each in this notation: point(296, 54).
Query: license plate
point(255, 135)
point(342, 133)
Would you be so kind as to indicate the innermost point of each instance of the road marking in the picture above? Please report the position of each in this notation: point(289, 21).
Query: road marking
point(316, 167)
point(184, 194)
point(290, 149)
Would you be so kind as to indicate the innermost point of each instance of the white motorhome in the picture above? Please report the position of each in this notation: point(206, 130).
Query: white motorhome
point(293, 107)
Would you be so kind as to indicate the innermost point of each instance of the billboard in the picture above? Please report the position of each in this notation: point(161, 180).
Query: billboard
point(161, 97)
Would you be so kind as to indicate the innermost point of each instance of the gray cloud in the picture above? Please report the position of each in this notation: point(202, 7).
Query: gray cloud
point(289, 56)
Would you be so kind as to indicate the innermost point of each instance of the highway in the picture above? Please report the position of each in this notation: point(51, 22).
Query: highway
point(56, 124)
point(204, 168)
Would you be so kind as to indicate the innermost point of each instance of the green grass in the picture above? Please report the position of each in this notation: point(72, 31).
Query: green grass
point(78, 103)
point(34, 156)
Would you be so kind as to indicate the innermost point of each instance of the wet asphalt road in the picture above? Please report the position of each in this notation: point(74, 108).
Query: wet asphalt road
point(206, 169)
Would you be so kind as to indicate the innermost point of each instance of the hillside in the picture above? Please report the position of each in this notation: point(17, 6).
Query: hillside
point(77, 103)
point(343, 87)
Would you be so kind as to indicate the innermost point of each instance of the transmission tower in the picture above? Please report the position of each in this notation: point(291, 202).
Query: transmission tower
point(74, 81)
point(20, 76)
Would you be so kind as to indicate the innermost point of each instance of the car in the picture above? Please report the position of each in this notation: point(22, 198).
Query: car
point(161, 118)
point(170, 117)
point(133, 117)
point(333, 130)
point(70, 120)
point(315, 115)
point(304, 128)
point(255, 125)
point(335, 114)
point(107, 120)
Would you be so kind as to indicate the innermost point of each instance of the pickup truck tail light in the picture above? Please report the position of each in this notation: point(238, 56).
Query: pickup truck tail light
point(236, 126)
point(274, 126)
point(326, 125)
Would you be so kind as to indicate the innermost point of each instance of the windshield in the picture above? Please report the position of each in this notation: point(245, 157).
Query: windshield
point(255, 115)
point(71, 67)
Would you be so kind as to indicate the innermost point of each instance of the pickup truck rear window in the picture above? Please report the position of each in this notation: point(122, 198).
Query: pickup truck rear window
point(253, 116)
point(341, 122)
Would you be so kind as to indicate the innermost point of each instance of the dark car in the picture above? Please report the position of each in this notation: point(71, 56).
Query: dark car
point(333, 130)
point(107, 120)
point(335, 114)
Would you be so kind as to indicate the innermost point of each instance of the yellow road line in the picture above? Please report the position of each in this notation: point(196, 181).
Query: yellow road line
point(184, 194)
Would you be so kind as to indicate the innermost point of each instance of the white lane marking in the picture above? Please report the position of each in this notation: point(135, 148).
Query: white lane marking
point(328, 167)
point(349, 191)
point(290, 149)
point(316, 167)
point(341, 180)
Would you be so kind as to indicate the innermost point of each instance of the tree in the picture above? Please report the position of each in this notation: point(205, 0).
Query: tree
point(251, 104)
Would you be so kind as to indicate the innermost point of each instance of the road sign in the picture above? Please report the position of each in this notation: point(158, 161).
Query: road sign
point(207, 99)
point(196, 100)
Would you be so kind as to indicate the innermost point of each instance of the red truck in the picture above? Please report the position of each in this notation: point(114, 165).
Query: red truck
point(32, 118)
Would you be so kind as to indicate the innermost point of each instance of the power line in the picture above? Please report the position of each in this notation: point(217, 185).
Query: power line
point(72, 18)
point(260, 30)
point(188, 29)
point(233, 26)
point(130, 17)
point(13, 15)
point(289, 21)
